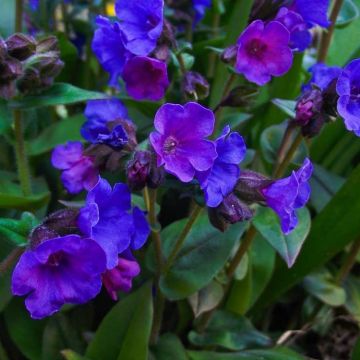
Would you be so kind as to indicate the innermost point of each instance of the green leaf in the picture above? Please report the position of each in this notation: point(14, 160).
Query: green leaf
point(230, 331)
point(332, 230)
point(5, 117)
point(58, 94)
point(288, 246)
point(349, 12)
point(352, 288)
point(56, 134)
point(192, 269)
point(322, 285)
point(279, 353)
point(287, 106)
point(169, 347)
point(71, 355)
point(8, 18)
point(355, 354)
point(270, 142)
point(124, 332)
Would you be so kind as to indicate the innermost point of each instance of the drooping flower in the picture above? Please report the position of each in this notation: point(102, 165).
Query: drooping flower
point(59, 271)
point(146, 78)
point(287, 195)
point(263, 51)
point(300, 36)
point(141, 23)
point(120, 277)
point(180, 139)
point(100, 114)
point(220, 180)
point(107, 219)
point(348, 89)
point(321, 76)
point(313, 12)
point(79, 172)
point(200, 7)
point(109, 48)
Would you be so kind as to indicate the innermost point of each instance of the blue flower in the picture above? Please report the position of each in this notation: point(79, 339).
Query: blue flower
point(321, 76)
point(200, 7)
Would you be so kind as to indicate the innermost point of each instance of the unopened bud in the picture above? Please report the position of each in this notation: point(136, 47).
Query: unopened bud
point(249, 185)
point(241, 96)
point(21, 46)
point(195, 85)
point(308, 107)
point(47, 44)
point(229, 54)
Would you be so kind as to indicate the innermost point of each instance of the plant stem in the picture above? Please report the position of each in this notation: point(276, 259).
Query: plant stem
point(213, 56)
point(349, 262)
point(244, 247)
point(10, 259)
point(19, 15)
point(182, 237)
point(327, 35)
point(289, 156)
point(21, 158)
point(159, 307)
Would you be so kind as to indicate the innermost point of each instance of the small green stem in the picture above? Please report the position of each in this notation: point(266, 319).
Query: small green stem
point(213, 56)
point(328, 34)
point(289, 156)
point(159, 307)
point(182, 237)
point(21, 158)
point(349, 262)
point(19, 15)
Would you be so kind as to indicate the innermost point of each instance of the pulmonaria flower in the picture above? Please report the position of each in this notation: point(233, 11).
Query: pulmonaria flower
point(146, 78)
point(348, 89)
point(120, 277)
point(200, 7)
point(34, 4)
point(100, 115)
point(287, 195)
point(107, 219)
point(59, 271)
point(263, 51)
point(321, 76)
point(180, 139)
point(79, 171)
point(109, 48)
point(313, 12)
point(220, 180)
point(300, 36)
point(141, 23)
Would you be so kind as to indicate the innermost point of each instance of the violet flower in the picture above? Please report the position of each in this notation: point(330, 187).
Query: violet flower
point(321, 76)
point(348, 89)
point(287, 195)
point(106, 219)
point(179, 140)
point(59, 271)
point(99, 114)
point(141, 23)
point(263, 51)
point(200, 7)
point(146, 78)
point(79, 171)
point(220, 180)
point(313, 12)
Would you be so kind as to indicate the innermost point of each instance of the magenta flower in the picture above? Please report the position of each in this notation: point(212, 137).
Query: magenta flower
point(107, 219)
point(79, 171)
point(220, 180)
point(180, 139)
point(64, 270)
point(284, 196)
point(120, 277)
point(348, 89)
point(146, 78)
point(263, 51)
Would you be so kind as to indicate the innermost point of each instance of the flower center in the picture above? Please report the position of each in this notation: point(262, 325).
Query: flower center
point(256, 48)
point(170, 145)
point(355, 90)
point(56, 259)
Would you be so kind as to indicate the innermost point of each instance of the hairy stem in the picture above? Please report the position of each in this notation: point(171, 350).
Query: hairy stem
point(159, 307)
point(349, 262)
point(21, 158)
point(19, 15)
point(327, 35)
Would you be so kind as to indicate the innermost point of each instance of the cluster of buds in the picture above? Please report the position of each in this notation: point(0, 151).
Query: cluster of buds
point(27, 65)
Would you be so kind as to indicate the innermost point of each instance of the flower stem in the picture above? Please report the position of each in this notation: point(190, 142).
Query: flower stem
point(10, 259)
point(182, 237)
point(21, 158)
point(289, 156)
point(327, 35)
point(19, 15)
point(213, 56)
point(159, 307)
point(349, 262)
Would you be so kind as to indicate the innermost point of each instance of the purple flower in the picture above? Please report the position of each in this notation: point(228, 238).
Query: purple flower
point(108, 47)
point(99, 114)
point(141, 23)
point(180, 141)
point(300, 36)
point(200, 7)
point(263, 51)
point(313, 12)
point(34, 4)
point(146, 78)
point(220, 180)
point(59, 271)
point(348, 89)
point(106, 219)
point(321, 76)
point(120, 277)
point(79, 170)
point(284, 196)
